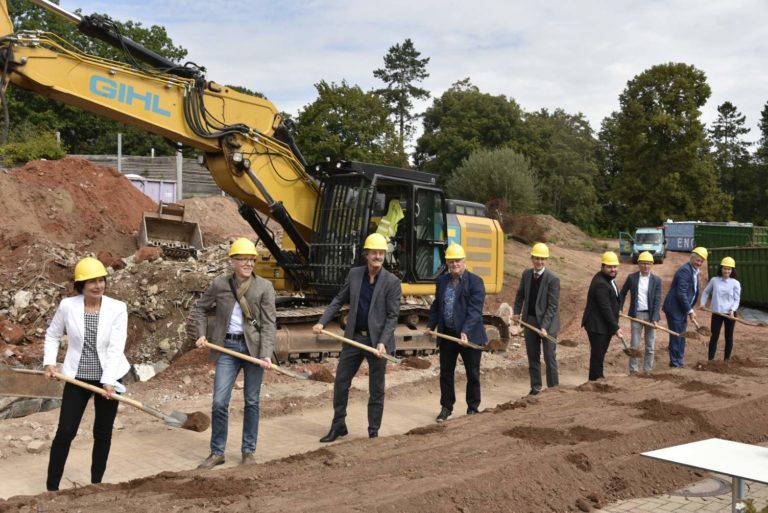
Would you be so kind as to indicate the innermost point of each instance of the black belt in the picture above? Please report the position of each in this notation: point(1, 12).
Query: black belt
point(642, 311)
point(234, 336)
point(364, 333)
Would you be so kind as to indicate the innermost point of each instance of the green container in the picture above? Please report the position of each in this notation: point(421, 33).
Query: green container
point(722, 236)
point(751, 271)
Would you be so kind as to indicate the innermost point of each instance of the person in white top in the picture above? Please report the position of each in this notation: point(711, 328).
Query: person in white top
point(644, 288)
point(725, 291)
point(96, 327)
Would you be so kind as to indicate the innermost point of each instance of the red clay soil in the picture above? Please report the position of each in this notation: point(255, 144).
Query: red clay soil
point(72, 201)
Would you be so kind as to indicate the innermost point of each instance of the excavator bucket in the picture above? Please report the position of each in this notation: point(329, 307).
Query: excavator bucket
point(167, 229)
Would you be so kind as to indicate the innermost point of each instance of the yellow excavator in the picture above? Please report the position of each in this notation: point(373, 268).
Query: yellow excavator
point(325, 210)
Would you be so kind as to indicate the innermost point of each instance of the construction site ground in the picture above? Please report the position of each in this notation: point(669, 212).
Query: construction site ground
point(572, 448)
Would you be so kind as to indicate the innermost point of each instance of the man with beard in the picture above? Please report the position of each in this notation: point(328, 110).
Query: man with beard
point(601, 315)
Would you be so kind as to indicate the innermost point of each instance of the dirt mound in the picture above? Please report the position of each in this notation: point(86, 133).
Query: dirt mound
point(550, 436)
point(72, 201)
point(691, 385)
point(598, 386)
point(737, 366)
point(218, 218)
point(660, 411)
point(545, 228)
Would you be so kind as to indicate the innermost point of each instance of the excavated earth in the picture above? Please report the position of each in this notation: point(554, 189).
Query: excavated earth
point(573, 448)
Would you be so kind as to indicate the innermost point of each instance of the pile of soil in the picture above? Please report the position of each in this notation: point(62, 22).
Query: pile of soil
point(545, 228)
point(71, 201)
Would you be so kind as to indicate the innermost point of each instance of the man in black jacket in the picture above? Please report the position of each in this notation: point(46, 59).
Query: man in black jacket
point(601, 315)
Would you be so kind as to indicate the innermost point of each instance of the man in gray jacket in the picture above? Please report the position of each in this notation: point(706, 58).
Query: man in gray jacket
point(644, 288)
point(244, 306)
point(373, 295)
point(538, 302)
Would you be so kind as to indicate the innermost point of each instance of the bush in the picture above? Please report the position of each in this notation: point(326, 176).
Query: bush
point(501, 174)
point(33, 146)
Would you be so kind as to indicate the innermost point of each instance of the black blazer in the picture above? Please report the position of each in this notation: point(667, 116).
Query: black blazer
point(601, 315)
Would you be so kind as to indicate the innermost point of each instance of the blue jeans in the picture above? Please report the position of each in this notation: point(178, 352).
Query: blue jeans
point(227, 369)
point(676, 344)
point(650, 342)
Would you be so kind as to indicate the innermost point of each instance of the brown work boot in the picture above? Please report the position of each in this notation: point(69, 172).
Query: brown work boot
point(248, 458)
point(211, 461)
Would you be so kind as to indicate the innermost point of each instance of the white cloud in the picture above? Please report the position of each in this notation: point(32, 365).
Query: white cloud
point(577, 55)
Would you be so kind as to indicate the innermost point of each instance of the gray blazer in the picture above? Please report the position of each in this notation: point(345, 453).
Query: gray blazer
point(220, 299)
point(547, 302)
point(384, 309)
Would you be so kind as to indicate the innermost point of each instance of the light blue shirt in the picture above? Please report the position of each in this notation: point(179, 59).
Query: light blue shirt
point(726, 294)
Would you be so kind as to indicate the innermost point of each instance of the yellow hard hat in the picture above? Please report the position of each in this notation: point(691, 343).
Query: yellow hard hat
point(645, 256)
point(375, 241)
point(89, 268)
point(243, 246)
point(702, 252)
point(609, 258)
point(455, 252)
point(728, 262)
point(540, 250)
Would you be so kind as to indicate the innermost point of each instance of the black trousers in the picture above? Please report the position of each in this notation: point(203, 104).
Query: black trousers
point(449, 353)
point(598, 346)
point(350, 360)
point(73, 403)
point(715, 325)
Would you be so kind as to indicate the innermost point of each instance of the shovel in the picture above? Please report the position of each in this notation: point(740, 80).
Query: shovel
point(685, 334)
point(457, 340)
point(634, 353)
point(361, 346)
point(702, 330)
point(565, 342)
point(737, 319)
point(272, 366)
point(196, 421)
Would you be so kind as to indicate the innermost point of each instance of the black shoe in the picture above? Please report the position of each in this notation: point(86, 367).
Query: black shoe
point(444, 414)
point(373, 434)
point(472, 411)
point(333, 434)
point(533, 391)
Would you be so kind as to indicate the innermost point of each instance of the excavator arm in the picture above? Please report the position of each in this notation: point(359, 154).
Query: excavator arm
point(247, 150)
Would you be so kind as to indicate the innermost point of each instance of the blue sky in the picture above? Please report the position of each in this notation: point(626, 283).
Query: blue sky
point(577, 55)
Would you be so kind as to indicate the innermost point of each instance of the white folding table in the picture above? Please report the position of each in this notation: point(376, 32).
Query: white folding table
point(743, 462)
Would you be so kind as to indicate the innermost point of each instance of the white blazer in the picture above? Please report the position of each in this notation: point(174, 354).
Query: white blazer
point(110, 338)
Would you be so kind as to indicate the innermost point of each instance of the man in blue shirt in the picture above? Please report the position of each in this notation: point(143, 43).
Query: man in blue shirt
point(457, 311)
point(678, 305)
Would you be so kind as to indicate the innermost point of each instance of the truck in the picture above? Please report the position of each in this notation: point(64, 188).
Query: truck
point(325, 210)
point(650, 239)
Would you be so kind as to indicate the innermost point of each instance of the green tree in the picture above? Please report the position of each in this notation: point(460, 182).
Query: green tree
point(562, 148)
point(759, 176)
point(464, 120)
point(344, 122)
point(498, 173)
point(402, 69)
point(659, 148)
point(83, 132)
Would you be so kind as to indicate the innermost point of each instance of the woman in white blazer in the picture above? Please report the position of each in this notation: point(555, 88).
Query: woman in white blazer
point(96, 328)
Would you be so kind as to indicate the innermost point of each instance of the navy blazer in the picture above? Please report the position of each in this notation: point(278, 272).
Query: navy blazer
point(681, 296)
point(467, 309)
point(654, 295)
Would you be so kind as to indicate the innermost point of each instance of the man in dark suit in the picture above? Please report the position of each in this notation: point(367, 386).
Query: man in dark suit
point(644, 288)
point(457, 311)
point(373, 294)
point(538, 302)
point(601, 315)
point(678, 305)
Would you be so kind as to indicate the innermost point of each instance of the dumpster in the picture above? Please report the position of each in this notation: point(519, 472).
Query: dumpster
point(751, 271)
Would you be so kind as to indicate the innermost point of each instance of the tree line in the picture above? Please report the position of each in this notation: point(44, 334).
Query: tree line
point(652, 159)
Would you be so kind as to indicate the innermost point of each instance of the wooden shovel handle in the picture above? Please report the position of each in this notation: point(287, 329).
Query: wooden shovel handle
point(457, 340)
point(251, 359)
point(737, 319)
point(116, 397)
point(662, 328)
point(360, 346)
point(537, 330)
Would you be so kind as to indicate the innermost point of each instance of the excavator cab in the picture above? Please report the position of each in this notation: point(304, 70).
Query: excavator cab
point(358, 199)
